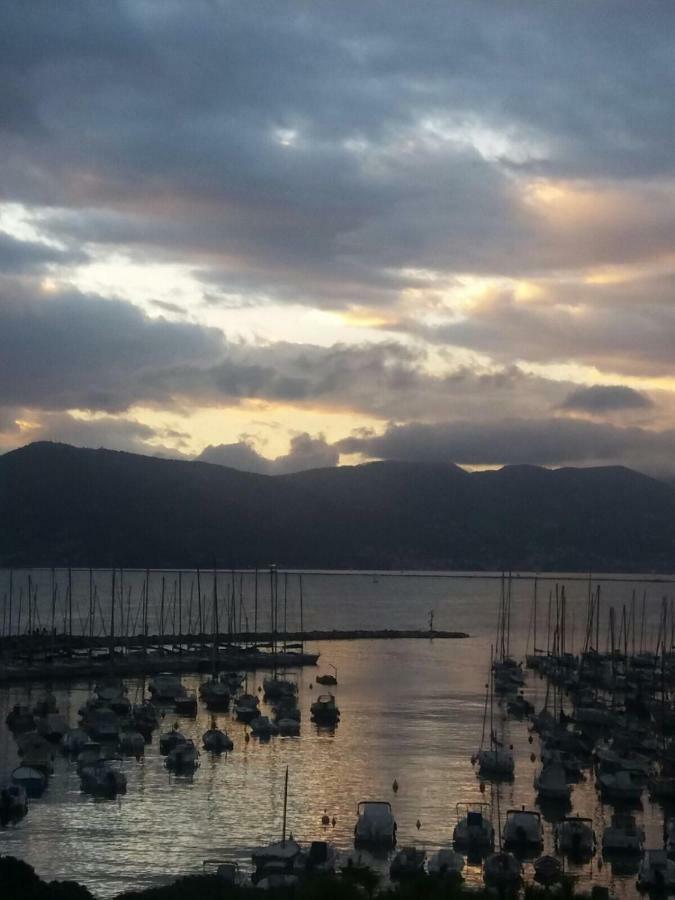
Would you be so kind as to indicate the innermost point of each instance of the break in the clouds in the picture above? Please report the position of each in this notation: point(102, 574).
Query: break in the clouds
point(338, 217)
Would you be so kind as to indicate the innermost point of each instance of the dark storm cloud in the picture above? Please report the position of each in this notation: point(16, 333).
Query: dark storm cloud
point(632, 333)
point(306, 452)
point(17, 257)
point(69, 350)
point(600, 398)
point(548, 442)
point(176, 142)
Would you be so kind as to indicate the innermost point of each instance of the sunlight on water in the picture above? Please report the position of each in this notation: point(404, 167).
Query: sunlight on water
point(412, 710)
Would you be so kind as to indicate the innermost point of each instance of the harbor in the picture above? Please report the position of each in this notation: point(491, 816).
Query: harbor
point(413, 719)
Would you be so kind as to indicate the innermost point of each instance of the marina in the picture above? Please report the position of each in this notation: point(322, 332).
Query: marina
point(400, 727)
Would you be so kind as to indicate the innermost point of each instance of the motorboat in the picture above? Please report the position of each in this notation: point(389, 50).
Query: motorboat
point(215, 694)
point(622, 785)
point(656, 873)
point(32, 780)
point(102, 724)
point(502, 870)
point(375, 824)
point(623, 835)
point(547, 870)
point(408, 862)
point(496, 761)
point(89, 754)
point(169, 740)
point(290, 727)
point(74, 740)
point(246, 707)
point(183, 758)
point(20, 719)
point(263, 727)
point(327, 678)
point(274, 688)
point(145, 719)
point(216, 741)
point(102, 778)
point(319, 857)
point(523, 829)
point(132, 743)
point(186, 704)
point(474, 830)
point(165, 687)
point(45, 706)
point(446, 863)
point(324, 710)
point(551, 783)
point(52, 726)
point(575, 837)
point(13, 803)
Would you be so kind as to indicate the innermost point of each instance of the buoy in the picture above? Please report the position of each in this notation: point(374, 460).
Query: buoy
point(247, 737)
point(533, 757)
point(394, 786)
point(333, 821)
point(418, 824)
point(259, 688)
point(311, 686)
point(510, 746)
point(325, 820)
point(482, 787)
point(529, 740)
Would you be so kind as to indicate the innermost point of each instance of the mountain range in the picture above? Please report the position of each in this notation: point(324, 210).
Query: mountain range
point(61, 505)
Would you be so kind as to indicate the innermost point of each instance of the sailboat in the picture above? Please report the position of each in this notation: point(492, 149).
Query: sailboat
point(274, 862)
point(497, 760)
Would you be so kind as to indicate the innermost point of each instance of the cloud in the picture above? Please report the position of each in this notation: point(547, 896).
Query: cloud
point(599, 399)
point(17, 256)
point(306, 452)
point(547, 442)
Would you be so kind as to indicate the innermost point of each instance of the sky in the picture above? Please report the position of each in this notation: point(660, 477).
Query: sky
point(283, 235)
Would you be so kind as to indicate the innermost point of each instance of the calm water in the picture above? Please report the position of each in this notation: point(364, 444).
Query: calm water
point(411, 710)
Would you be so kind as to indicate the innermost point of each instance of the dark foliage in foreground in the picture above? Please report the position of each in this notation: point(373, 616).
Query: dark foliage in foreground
point(18, 881)
point(60, 505)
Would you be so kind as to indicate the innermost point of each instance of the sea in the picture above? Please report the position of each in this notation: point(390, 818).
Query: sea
point(412, 716)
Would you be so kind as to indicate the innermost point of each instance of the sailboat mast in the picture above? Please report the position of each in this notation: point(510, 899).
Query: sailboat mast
point(283, 826)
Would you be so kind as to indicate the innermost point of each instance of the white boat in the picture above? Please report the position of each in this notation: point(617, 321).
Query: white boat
point(52, 726)
point(502, 870)
point(623, 835)
point(551, 783)
point(621, 785)
point(320, 856)
point(408, 862)
point(170, 739)
point(246, 707)
point(575, 837)
point(102, 724)
point(523, 829)
point(274, 861)
point(165, 687)
point(186, 704)
point(547, 870)
point(324, 710)
point(216, 741)
point(183, 758)
point(656, 872)
point(375, 824)
point(496, 761)
point(474, 830)
point(132, 742)
point(216, 695)
point(13, 803)
point(32, 780)
point(74, 740)
point(102, 778)
point(263, 727)
point(446, 864)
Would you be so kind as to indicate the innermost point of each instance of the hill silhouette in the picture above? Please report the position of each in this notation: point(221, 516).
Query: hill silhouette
point(61, 505)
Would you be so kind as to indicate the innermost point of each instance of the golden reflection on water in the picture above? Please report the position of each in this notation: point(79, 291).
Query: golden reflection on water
point(412, 711)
